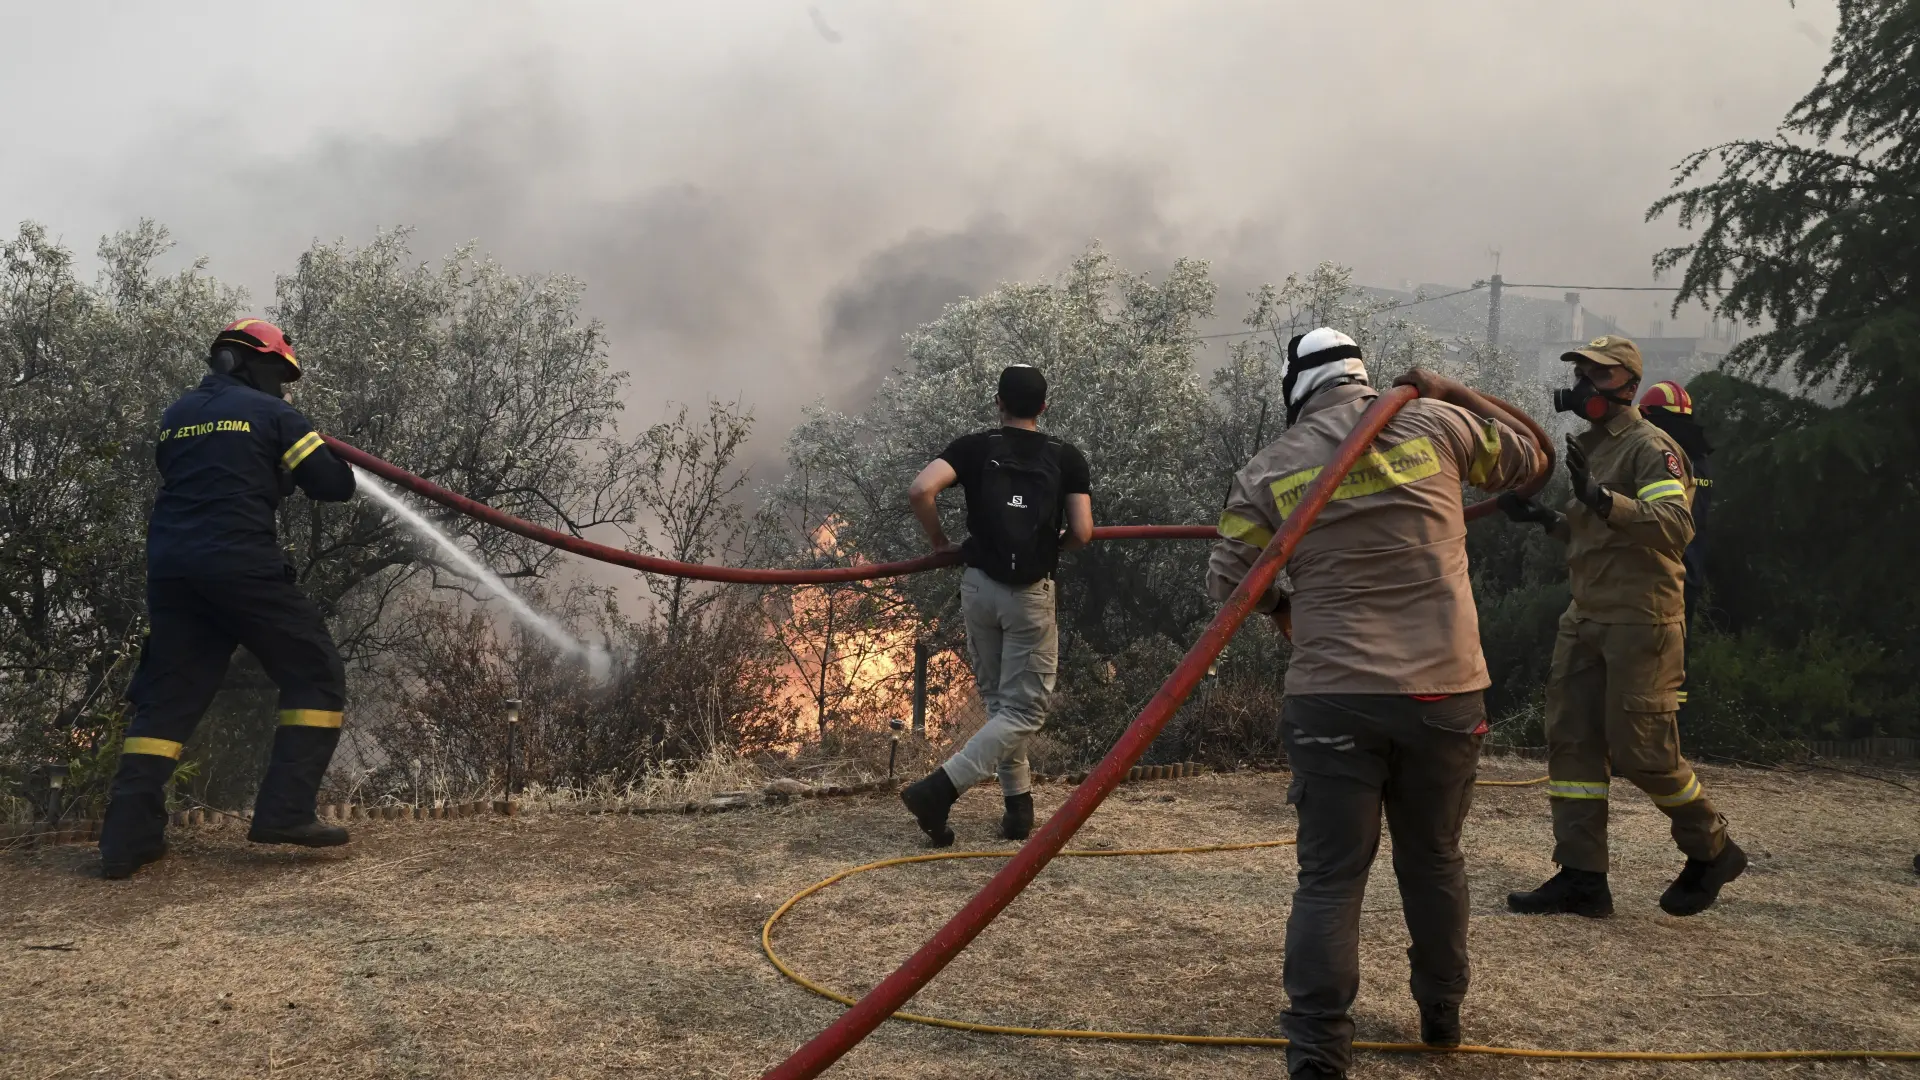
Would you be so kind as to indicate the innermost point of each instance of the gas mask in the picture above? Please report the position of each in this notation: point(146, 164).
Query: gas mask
point(1586, 400)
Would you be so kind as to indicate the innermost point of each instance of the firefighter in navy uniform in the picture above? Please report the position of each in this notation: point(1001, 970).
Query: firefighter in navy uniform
point(229, 451)
point(1669, 407)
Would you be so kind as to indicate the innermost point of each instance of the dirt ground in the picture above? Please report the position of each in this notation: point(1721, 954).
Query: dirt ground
point(571, 946)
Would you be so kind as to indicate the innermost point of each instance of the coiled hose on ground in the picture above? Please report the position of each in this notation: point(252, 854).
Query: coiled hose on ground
point(766, 946)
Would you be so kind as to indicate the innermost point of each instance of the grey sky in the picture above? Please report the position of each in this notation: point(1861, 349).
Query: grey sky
point(760, 209)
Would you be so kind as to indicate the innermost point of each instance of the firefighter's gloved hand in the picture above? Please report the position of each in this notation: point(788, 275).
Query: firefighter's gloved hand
point(1524, 510)
point(1596, 496)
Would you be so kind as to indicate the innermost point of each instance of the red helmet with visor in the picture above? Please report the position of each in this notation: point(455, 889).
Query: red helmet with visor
point(1667, 395)
point(260, 336)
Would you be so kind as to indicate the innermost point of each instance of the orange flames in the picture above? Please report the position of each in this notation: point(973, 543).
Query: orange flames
point(867, 666)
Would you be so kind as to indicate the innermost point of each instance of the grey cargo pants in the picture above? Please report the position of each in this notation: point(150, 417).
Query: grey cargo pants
point(1352, 754)
point(1014, 644)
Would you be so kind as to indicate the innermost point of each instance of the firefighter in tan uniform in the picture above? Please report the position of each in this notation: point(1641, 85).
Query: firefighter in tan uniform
point(1619, 659)
point(1383, 691)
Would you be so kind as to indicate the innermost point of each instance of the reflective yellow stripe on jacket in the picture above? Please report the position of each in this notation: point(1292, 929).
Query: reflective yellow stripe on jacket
point(1576, 789)
point(1375, 472)
point(298, 452)
point(1486, 455)
point(1235, 527)
point(1662, 489)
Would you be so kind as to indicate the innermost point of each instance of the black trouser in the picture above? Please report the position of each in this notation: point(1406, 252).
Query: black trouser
point(194, 625)
point(1351, 754)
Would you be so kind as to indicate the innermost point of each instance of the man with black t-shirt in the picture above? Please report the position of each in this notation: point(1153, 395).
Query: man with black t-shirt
point(1028, 497)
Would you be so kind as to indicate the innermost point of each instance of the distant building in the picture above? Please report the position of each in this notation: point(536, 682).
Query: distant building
point(1544, 328)
point(1676, 358)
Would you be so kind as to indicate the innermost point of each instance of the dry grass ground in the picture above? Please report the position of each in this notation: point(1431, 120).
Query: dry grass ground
point(569, 946)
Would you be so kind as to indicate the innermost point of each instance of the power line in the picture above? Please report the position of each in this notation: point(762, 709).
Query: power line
point(1474, 288)
point(1597, 288)
point(1389, 307)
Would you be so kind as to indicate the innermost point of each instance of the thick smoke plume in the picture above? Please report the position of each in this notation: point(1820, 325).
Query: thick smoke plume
point(762, 196)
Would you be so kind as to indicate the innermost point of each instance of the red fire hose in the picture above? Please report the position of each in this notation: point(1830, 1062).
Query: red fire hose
point(880, 1002)
point(651, 564)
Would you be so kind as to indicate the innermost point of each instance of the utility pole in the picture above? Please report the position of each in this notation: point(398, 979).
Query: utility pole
point(1493, 303)
point(1493, 311)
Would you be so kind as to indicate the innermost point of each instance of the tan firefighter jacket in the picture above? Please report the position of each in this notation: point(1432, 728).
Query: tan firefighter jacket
point(1380, 598)
point(1628, 566)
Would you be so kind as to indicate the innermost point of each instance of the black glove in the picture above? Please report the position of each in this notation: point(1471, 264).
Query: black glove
point(1596, 496)
point(1524, 510)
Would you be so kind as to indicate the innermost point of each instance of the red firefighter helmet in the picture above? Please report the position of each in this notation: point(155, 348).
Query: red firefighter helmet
point(1667, 395)
point(261, 336)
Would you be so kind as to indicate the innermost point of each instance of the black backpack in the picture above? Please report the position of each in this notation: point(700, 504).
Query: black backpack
point(1020, 494)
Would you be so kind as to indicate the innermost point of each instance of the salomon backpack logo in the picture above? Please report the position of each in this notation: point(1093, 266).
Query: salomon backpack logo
point(1019, 501)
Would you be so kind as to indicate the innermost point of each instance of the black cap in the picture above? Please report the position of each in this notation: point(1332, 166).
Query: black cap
point(1023, 391)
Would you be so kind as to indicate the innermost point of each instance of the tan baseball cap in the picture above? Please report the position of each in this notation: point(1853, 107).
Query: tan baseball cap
point(1611, 350)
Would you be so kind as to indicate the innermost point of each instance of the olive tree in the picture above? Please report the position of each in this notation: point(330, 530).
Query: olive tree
point(85, 369)
point(486, 382)
point(1118, 351)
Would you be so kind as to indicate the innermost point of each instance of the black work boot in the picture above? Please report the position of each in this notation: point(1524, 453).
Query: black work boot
point(286, 810)
point(1698, 885)
point(119, 858)
point(1569, 892)
point(1307, 1069)
point(309, 834)
point(134, 832)
point(1440, 1024)
point(1017, 822)
point(929, 799)
point(120, 867)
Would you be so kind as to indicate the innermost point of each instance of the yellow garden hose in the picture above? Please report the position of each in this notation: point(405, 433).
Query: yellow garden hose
point(766, 944)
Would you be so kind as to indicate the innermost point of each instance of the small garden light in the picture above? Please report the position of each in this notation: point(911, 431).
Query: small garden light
point(513, 731)
point(56, 790)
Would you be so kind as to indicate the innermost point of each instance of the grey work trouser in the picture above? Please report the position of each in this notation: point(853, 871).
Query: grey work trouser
point(1014, 644)
point(1351, 754)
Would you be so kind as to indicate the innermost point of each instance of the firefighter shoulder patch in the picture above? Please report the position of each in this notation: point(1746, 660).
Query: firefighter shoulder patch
point(1672, 461)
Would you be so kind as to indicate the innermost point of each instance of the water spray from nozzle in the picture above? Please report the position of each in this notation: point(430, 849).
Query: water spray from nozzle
point(599, 662)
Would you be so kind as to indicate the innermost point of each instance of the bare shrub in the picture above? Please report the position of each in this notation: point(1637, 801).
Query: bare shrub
point(667, 699)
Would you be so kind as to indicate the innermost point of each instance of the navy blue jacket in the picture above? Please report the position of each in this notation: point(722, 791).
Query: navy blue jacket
point(1692, 439)
point(226, 455)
